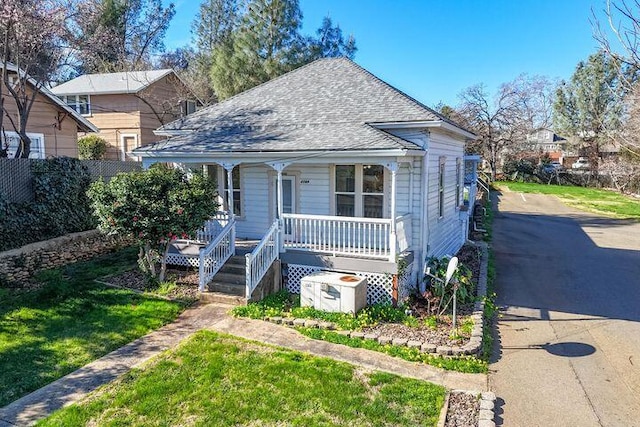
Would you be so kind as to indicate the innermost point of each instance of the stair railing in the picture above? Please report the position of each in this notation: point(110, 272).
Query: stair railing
point(260, 259)
point(216, 253)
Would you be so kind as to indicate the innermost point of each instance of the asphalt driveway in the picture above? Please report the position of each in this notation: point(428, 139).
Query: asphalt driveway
point(567, 349)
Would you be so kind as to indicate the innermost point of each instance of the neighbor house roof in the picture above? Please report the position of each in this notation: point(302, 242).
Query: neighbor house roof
point(329, 104)
point(83, 124)
point(110, 83)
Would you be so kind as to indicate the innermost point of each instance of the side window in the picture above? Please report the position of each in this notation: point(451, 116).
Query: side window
point(441, 187)
point(237, 191)
point(458, 179)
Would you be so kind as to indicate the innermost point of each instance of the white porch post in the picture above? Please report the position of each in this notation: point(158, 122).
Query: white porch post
point(393, 241)
point(279, 167)
point(229, 168)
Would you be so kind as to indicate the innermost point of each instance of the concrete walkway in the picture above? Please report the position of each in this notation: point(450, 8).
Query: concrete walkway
point(78, 384)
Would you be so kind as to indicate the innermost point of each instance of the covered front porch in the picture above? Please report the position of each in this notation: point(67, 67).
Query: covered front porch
point(343, 242)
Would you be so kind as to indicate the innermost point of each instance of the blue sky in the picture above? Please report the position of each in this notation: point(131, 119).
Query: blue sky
point(432, 50)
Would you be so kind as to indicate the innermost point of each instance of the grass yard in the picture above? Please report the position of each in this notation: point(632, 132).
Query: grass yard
point(69, 322)
point(595, 200)
point(216, 379)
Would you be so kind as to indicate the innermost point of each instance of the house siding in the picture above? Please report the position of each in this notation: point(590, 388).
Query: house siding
point(115, 115)
point(254, 185)
point(128, 114)
point(446, 233)
point(43, 119)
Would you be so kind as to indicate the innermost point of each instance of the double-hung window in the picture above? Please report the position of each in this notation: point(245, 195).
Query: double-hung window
point(10, 141)
point(80, 103)
point(237, 194)
point(219, 174)
point(359, 190)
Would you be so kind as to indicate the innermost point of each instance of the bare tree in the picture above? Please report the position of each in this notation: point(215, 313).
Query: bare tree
point(503, 121)
point(620, 40)
point(31, 52)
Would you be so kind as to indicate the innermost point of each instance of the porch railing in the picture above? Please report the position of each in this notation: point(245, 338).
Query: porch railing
point(260, 259)
point(212, 227)
point(216, 253)
point(338, 235)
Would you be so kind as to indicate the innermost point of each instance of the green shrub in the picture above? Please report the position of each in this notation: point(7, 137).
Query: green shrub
point(463, 276)
point(91, 147)
point(153, 207)
point(60, 204)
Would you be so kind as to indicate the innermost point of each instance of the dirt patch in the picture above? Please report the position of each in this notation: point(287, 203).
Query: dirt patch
point(181, 284)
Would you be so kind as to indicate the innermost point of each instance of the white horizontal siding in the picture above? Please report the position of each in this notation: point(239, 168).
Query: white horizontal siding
point(313, 184)
point(446, 234)
point(254, 185)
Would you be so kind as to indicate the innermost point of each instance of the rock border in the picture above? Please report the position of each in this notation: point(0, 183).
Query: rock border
point(472, 348)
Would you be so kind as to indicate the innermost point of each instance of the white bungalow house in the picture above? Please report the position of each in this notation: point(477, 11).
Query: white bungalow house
point(324, 168)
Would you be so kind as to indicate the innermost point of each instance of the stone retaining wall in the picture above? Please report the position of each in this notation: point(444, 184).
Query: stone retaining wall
point(18, 265)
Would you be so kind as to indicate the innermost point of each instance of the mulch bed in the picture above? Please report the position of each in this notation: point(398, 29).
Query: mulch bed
point(440, 334)
point(464, 410)
point(185, 289)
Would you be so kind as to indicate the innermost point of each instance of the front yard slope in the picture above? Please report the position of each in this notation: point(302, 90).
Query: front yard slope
point(217, 379)
point(68, 321)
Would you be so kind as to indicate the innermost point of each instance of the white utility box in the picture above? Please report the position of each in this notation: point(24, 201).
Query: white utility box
point(336, 292)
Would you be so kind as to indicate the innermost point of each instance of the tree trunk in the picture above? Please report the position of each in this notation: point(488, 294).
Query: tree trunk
point(163, 262)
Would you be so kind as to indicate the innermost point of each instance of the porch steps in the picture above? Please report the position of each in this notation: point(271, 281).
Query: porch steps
point(228, 286)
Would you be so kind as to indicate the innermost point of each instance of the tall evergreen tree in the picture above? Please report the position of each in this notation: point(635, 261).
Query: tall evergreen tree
point(268, 43)
point(588, 107)
point(330, 42)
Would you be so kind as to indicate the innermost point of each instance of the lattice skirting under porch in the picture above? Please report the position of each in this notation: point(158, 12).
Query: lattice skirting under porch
point(179, 259)
point(379, 285)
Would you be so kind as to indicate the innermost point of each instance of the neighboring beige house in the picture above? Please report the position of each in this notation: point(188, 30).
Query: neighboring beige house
point(128, 106)
point(52, 126)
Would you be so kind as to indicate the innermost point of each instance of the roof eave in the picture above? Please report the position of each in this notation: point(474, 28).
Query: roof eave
point(425, 124)
point(84, 124)
point(281, 154)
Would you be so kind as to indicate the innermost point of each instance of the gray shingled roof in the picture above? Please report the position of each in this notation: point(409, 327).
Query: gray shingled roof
point(110, 83)
point(325, 105)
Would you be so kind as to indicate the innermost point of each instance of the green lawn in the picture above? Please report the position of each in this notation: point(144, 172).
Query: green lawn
point(71, 321)
point(604, 202)
point(216, 379)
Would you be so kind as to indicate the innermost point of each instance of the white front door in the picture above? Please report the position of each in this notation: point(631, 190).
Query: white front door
point(288, 194)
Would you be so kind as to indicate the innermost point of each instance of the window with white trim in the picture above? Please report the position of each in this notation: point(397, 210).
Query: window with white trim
point(80, 103)
point(458, 179)
point(11, 142)
point(441, 187)
point(359, 190)
point(237, 191)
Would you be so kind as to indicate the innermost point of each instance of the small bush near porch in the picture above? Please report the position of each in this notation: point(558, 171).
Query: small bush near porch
point(215, 379)
point(69, 321)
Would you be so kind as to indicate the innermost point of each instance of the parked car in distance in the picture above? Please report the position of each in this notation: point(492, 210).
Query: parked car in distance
point(581, 163)
point(553, 167)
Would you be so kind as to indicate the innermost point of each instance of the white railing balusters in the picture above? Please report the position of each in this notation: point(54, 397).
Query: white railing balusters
point(216, 253)
point(369, 237)
point(260, 259)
